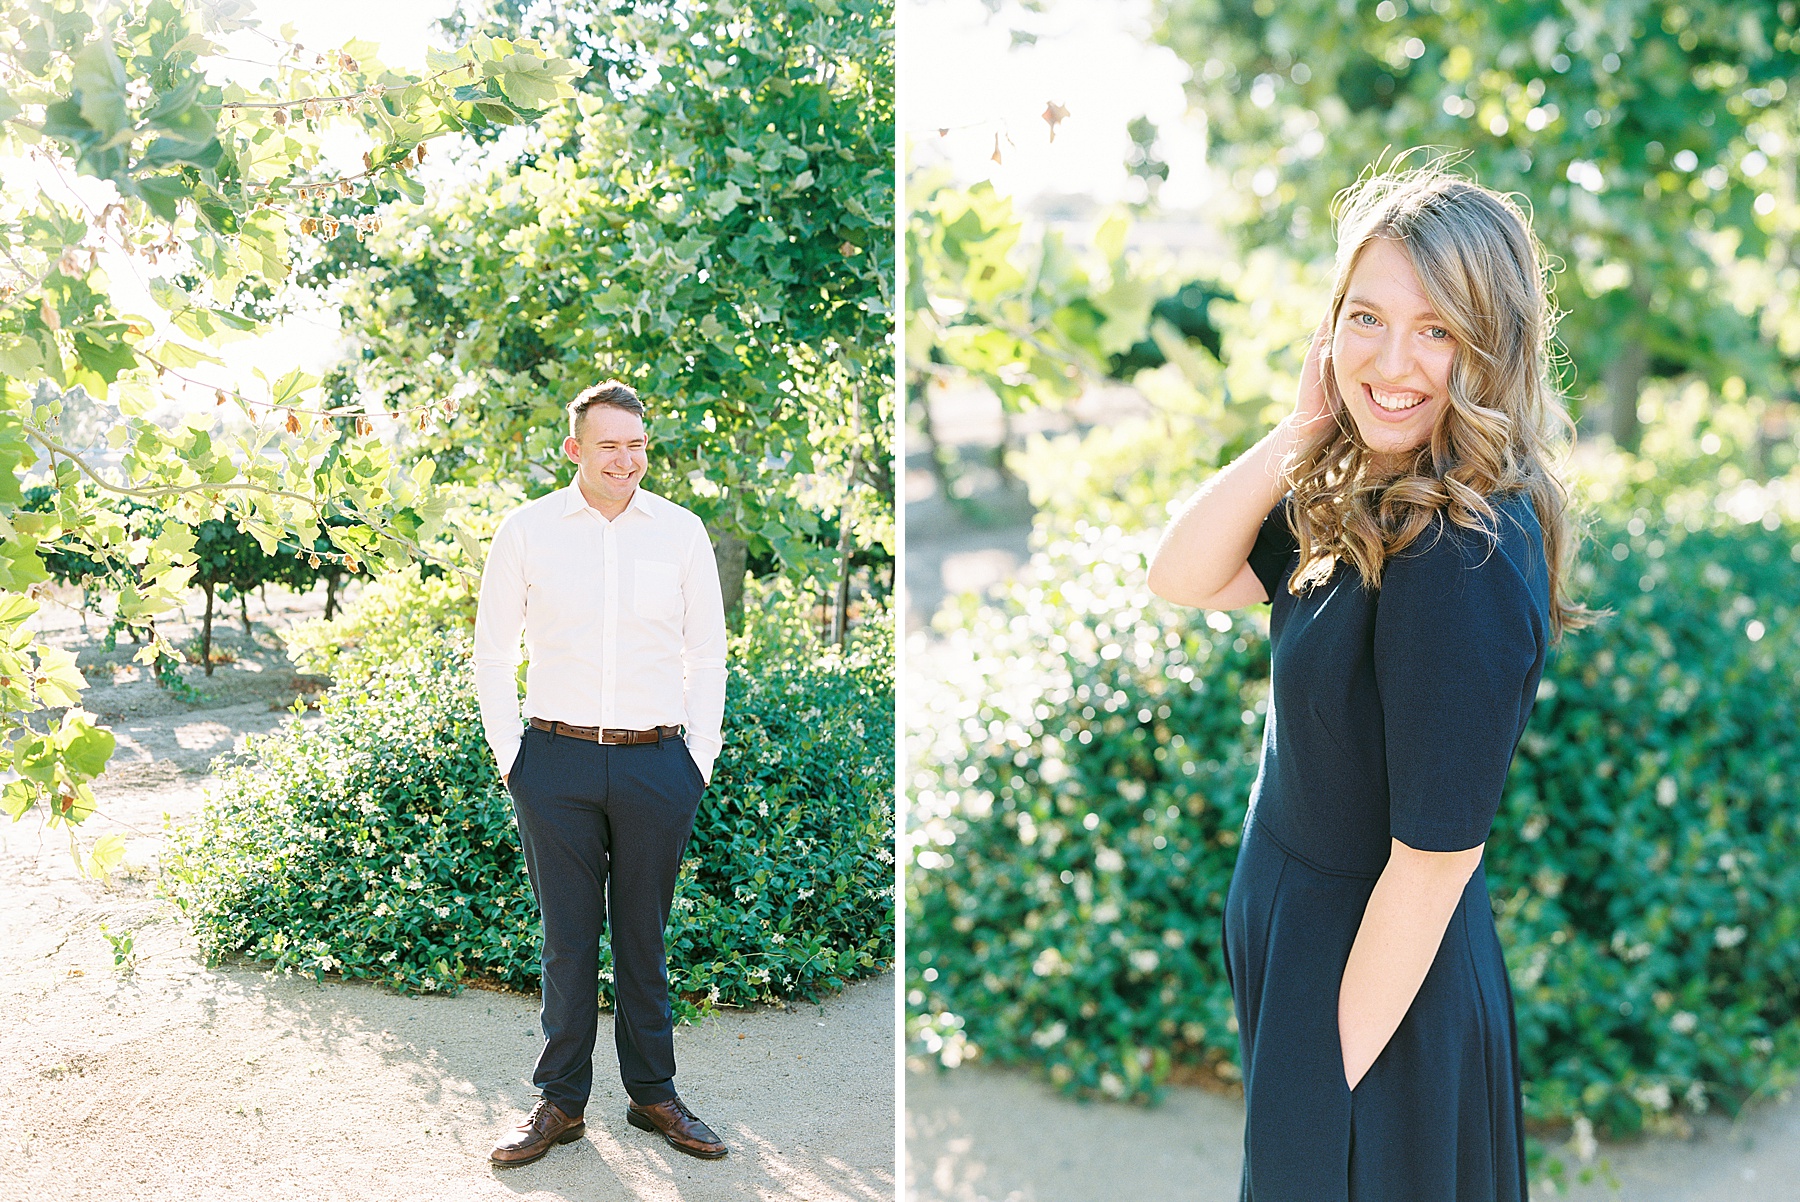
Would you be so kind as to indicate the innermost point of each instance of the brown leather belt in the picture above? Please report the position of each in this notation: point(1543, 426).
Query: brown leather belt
point(595, 734)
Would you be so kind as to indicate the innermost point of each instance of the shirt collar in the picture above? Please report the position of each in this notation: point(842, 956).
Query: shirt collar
point(574, 502)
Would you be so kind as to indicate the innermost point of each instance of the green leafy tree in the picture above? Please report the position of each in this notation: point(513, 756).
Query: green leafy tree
point(207, 190)
point(1655, 143)
point(710, 220)
point(1034, 321)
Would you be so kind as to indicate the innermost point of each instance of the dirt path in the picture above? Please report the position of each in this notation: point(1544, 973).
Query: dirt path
point(987, 1135)
point(169, 1080)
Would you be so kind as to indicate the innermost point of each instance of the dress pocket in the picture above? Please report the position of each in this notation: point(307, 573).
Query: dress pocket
point(655, 590)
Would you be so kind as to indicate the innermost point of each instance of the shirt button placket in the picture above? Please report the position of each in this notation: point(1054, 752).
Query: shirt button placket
point(609, 625)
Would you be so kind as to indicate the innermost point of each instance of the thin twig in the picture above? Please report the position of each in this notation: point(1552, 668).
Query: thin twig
point(277, 406)
point(334, 96)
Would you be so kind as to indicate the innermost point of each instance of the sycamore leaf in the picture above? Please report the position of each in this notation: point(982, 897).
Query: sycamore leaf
point(58, 680)
point(108, 853)
point(100, 78)
point(177, 354)
point(85, 747)
point(17, 797)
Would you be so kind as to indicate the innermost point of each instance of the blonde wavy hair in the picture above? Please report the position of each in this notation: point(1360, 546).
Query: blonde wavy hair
point(1504, 427)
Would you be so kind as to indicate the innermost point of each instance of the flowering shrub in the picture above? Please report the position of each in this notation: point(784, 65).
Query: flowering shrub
point(379, 843)
point(1078, 793)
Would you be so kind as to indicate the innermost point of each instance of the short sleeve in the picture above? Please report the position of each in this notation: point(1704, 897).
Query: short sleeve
point(1458, 647)
point(1274, 547)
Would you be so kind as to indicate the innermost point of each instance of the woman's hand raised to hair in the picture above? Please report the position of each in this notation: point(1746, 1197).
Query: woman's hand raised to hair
point(1311, 400)
point(1202, 560)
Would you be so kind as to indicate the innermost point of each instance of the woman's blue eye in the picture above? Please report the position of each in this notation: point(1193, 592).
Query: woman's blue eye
point(1359, 316)
point(1439, 333)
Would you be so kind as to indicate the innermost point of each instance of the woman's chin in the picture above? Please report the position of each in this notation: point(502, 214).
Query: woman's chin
point(1383, 437)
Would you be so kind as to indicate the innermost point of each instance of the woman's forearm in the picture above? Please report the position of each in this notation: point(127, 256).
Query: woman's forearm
point(1401, 929)
point(1207, 543)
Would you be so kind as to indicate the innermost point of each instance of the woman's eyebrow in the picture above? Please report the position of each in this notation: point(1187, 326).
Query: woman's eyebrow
point(1363, 302)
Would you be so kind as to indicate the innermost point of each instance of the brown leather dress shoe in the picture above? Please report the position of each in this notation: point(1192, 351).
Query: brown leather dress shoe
point(679, 1126)
point(544, 1126)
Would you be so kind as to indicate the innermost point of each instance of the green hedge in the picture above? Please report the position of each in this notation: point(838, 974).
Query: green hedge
point(378, 842)
point(1079, 792)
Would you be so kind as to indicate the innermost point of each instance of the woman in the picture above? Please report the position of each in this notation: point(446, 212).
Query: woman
point(1406, 526)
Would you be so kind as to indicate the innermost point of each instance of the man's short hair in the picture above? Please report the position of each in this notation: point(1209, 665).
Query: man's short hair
point(615, 393)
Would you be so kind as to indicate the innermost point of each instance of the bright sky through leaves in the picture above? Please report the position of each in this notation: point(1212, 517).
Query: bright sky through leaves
point(960, 70)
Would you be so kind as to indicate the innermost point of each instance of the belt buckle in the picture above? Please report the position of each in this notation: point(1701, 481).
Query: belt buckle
point(615, 735)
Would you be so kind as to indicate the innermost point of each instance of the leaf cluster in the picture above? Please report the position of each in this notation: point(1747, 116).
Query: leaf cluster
point(201, 185)
point(710, 221)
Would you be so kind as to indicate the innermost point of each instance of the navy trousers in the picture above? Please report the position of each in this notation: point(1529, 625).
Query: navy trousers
point(603, 827)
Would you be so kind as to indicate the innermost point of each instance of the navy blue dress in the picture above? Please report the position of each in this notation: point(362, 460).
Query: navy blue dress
point(1392, 713)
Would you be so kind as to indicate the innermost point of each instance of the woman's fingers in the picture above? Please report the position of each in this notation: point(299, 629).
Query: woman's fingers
point(1313, 401)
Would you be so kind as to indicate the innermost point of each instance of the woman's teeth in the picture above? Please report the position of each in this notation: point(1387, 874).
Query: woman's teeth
point(1395, 402)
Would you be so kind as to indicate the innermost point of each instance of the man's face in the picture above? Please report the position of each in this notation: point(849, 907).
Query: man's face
point(611, 452)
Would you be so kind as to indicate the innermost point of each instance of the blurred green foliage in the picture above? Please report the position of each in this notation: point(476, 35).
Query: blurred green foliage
point(1655, 145)
point(393, 612)
point(1033, 320)
point(377, 842)
point(1080, 783)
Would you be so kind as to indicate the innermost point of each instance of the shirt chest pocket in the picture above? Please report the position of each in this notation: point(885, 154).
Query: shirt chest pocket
point(655, 590)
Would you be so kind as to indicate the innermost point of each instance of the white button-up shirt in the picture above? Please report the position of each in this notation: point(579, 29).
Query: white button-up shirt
point(623, 620)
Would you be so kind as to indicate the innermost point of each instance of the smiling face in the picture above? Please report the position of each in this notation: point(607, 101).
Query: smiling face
point(613, 455)
point(1390, 352)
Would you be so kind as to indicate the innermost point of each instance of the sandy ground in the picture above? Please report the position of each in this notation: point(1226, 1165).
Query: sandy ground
point(984, 1135)
point(165, 1079)
point(980, 1134)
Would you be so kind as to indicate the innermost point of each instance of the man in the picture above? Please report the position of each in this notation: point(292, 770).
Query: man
point(617, 593)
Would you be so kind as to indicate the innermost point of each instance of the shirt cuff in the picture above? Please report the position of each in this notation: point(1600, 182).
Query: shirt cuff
point(704, 761)
point(505, 752)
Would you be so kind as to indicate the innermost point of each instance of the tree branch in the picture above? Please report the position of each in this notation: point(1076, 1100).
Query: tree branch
point(161, 490)
point(417, 550)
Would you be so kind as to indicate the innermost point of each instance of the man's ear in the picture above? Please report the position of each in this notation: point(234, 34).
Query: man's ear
point(572, 449)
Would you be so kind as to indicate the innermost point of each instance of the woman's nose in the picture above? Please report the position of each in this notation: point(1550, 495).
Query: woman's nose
point(1393, 359)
